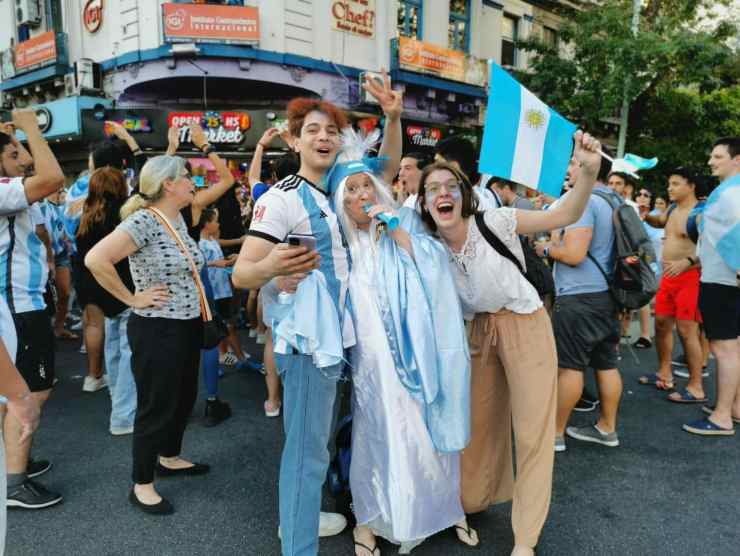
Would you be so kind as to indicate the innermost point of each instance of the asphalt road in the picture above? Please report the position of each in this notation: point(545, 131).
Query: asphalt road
point(663, 491)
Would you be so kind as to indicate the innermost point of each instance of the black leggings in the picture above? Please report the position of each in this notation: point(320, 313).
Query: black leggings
point(165, 356)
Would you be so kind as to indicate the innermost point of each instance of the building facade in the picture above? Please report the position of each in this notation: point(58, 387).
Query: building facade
point(233, 65)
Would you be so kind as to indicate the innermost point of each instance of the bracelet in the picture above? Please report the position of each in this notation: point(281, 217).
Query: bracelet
point(206, 149)
point(691, 261)
point(546, 252)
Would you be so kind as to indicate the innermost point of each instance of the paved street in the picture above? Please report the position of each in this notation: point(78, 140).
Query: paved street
point(662, 492)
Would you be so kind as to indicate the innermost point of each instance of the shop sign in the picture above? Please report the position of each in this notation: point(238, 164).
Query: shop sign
point(428, 58)
point(44, 119)
point(134, 124)
point(354, 16)
point(421, 136)
point(41, 50)
point(92, 15)
point(220, 127)
point(211, 23)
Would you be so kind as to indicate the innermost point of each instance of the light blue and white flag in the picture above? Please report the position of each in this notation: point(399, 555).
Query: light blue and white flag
point(524, 140)
point(720, 222)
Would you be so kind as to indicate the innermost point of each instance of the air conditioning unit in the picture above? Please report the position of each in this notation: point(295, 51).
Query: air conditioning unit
point(27, 12)
point(70, 89)
point(88, 75)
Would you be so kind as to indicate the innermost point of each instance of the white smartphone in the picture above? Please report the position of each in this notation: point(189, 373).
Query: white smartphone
point(309, 242)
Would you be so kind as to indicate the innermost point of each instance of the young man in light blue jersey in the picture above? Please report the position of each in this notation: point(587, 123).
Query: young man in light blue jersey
point(23, 275)
point(300, 204)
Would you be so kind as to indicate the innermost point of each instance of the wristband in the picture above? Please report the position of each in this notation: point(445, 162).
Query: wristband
point(206, 149)
point(546, 252)
point(691, 261)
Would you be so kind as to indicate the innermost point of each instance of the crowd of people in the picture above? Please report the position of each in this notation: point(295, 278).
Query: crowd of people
point(441, 308)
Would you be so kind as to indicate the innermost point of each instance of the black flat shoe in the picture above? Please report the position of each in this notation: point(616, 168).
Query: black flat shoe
point(161, 508)
point(195, 469)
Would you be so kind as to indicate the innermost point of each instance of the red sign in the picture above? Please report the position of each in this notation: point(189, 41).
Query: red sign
point(421, 136)
point(211, 23)
point(92, 15)
point(41, 50)
point(220, 127)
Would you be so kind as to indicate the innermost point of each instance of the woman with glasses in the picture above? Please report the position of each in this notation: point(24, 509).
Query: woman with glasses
point(165, 330)
point(513, 359)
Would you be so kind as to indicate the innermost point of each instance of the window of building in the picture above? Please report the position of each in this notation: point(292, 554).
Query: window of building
point(459, 25)
point(550, 37)
point(509, 35)
point(410, 18)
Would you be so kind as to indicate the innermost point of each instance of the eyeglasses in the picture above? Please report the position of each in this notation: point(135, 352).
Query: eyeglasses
point(644, 194)
point(434, 188)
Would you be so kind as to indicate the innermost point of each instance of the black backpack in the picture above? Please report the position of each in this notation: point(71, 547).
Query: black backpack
point(537, 272)
point(633, 282)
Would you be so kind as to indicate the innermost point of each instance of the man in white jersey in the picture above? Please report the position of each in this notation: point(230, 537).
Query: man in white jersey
point(23, 275)
point(300, 204)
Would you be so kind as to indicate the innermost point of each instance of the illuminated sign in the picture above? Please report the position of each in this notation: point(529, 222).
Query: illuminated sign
point(421, 136)
point(211, 23)
point(220, 127)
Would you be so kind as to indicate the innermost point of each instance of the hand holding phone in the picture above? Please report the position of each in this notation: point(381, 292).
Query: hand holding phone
point(309, 242)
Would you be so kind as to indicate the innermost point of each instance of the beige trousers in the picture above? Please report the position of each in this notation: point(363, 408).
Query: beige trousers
point(514, 381)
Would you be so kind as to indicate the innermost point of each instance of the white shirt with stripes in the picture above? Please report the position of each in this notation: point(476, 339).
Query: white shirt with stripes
point(296, 206)
point(23, 264)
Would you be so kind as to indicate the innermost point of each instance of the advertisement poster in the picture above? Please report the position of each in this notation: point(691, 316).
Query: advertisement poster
point(211, 23)
point(354, 16)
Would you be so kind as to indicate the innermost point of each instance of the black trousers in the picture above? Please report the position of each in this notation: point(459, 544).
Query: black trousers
point(165, 357)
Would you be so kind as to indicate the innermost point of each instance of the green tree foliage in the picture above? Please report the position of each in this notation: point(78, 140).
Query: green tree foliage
point(683, 75)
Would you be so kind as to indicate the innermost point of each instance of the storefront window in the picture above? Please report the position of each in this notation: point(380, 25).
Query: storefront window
point(410, 18)
point(459, 25)
point(509, 31)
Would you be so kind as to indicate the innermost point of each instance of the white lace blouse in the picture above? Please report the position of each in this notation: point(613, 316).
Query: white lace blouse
point(487, 282)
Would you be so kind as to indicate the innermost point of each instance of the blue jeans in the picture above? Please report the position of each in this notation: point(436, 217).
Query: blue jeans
point(308, 408)
point(120, 378)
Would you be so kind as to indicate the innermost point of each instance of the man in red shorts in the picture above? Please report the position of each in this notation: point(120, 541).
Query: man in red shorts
point(677, 300)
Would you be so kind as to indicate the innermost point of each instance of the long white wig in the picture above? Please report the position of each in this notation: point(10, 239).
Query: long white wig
point(355, 147)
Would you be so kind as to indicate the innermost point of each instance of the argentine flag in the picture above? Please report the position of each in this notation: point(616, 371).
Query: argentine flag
point(720, 222)
point(524, 140)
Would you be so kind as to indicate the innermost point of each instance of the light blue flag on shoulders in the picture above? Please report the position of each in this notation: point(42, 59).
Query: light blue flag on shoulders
point(720, 223)
point(524, 140)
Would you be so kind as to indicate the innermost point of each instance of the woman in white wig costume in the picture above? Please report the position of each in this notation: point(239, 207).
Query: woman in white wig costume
point(410, 367)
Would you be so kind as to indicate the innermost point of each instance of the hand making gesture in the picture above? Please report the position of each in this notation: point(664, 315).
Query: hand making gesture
point(390, 101)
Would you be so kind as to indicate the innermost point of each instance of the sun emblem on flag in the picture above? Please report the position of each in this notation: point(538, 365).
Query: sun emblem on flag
point(535, 118)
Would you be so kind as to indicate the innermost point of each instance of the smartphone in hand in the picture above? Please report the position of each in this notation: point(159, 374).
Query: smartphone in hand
point(307, 241)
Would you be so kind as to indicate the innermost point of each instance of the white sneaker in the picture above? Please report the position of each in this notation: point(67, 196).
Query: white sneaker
point(330, 524)
point(93, 384)
point(272, 410)
point(261, 338)
point(121, 431)
point(83, 349)
point(228, 359)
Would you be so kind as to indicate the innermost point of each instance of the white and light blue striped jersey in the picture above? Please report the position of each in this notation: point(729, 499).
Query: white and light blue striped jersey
point(54, 226)
point(23, 264)
point(294, 205)
point(220, 278)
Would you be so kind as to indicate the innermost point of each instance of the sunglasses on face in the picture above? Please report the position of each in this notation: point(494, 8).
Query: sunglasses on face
point(644, 194)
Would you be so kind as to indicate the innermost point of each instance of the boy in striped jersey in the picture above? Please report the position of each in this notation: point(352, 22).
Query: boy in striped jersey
point(300, 204)
point(23, 274)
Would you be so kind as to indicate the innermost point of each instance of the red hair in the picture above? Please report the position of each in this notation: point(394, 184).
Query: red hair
point(299, 108)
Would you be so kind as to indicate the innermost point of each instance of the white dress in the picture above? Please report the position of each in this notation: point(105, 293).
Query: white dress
point(401, 487)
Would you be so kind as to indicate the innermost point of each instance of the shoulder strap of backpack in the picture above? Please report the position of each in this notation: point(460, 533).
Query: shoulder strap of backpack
point(495, 242)
point(614, 205)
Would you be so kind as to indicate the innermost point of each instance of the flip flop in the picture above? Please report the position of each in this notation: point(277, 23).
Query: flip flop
point(643, 343)
point(686, 397)
point(705, 427)
point(709, 409)
point(656, 380)
point(371, 551)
